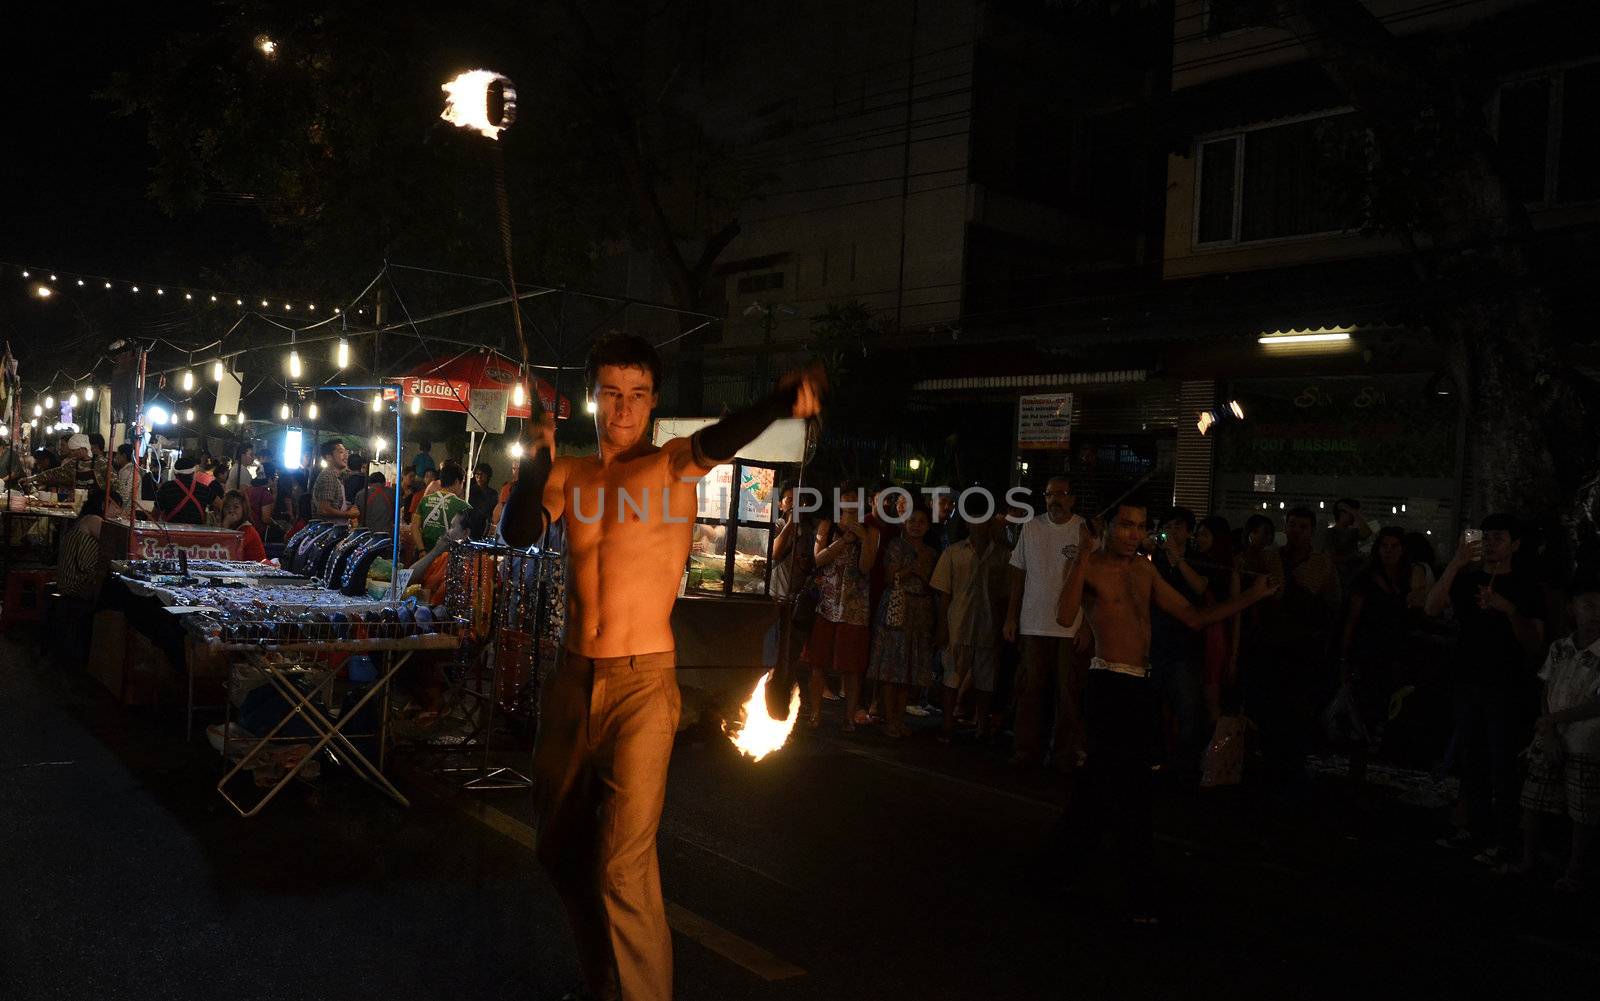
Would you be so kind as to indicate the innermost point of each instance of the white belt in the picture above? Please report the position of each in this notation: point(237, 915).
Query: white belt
point(1131, 670)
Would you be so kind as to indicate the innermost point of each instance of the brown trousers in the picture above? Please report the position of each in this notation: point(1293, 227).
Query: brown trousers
point(600, 776)
point(1050, 664)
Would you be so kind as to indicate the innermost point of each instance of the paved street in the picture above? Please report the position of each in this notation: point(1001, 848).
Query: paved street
point(840, 869)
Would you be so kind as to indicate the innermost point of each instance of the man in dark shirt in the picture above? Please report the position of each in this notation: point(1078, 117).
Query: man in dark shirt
point(182, 500)
point(1499, 614)
point(483, 499)
point(1176, 660)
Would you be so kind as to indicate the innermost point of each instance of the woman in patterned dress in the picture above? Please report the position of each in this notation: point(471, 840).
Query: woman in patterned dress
point(845, 548)
point(902, 642)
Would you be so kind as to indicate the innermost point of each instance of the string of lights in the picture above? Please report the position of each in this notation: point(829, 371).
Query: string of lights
point(47, 283)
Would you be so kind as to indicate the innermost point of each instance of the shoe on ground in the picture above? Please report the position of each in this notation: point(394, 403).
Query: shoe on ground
point(917, 711)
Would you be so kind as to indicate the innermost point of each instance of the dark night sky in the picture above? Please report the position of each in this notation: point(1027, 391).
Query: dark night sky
point(75, 178)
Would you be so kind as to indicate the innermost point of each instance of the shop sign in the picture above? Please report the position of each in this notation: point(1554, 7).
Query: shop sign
point(1044, 421)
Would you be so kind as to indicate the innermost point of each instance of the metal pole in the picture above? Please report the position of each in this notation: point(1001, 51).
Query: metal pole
point(394, 528)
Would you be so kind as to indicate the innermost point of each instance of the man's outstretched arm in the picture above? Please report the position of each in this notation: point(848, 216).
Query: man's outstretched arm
point(798, 394)
point(1176, 605)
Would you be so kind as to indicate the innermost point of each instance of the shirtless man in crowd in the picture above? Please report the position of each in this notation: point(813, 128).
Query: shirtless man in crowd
point(1116, 587)
point(610, 712)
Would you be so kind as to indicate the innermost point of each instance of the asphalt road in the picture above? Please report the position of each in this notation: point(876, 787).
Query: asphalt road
point(842, 868)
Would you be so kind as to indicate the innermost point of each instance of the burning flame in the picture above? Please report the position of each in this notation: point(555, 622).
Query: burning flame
point(760, 734)
point(467, 102)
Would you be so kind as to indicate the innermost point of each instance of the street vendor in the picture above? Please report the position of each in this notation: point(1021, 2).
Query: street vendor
point(184, 499)
point(611, 709)
point(78, 470)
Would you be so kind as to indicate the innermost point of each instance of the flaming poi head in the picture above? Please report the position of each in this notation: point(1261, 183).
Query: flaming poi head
point(481, 100)
point(759, 734)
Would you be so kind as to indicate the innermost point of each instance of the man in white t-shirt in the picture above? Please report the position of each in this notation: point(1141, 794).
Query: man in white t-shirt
point(1564, 762)
point(1045, 552)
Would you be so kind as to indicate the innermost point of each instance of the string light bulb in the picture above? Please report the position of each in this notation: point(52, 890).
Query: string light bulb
point(88, 392)
point(49, 402)
point(80, 283)
point(377, 402)
point(188, 380)
point(283, 411)
point(518, 395)
point(72, 401)
point(515, 450)
point(590, 406)
point(188, 414)
point(311, 411)
point(34, 423)
point(216, 370)
point(342, 353)
point(222, 419)
point(294, 364)
point(377, 446)
point(416, 405)
point(241, 417)
point(108, 284)
point(38, 411)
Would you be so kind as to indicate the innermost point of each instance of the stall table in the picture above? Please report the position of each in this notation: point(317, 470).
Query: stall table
point(56, 517)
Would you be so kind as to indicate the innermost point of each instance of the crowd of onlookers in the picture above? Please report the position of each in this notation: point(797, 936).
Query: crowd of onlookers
point(1485, 665)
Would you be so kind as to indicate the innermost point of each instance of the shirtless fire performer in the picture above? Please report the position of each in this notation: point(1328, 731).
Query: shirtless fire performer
point(1120, 586)
point(610, 711)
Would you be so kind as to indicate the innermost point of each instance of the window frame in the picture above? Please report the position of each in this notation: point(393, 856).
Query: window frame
point(1555, 112)
point(1239, 135)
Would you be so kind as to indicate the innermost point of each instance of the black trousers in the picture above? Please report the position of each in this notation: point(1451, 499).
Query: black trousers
point(1113, 789)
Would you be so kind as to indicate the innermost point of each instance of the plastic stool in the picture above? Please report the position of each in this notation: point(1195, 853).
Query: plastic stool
point(26, 596)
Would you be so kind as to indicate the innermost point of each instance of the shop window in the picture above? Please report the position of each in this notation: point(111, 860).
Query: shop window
point(1224, 16)
point(761, 283)
point(732, 548)
point(1544, 125)
point(1301, 178)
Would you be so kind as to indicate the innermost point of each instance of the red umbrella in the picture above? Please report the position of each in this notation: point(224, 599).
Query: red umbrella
point(446, 383)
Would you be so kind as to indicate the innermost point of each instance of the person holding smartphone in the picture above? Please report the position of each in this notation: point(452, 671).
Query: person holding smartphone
point(1499, 611)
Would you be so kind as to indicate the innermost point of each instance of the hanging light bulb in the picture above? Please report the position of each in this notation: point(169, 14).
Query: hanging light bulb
point(222, 419)
point(590, 406)
point(88, 392)
point(294, 364)
point(283, 411)
point(34, 423)
point(416, 405)
point(311, 411)
point(377, 402)
point(341, 355)
point(515, 450)
point(216, 370)
point(72, 401)
point(49, 402)
point(188, 414)
point(188, 380)
point(377, 446)
point(518, 395)
point(38, 411)
point(241, 417)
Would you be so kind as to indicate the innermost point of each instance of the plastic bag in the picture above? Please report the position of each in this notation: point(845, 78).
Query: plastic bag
point(1224, 760)
point(1341, 720)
